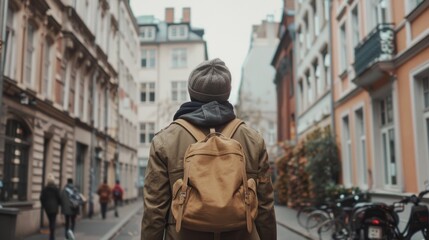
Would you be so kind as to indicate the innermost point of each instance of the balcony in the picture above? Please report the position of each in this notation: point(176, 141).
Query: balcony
point(374, 55)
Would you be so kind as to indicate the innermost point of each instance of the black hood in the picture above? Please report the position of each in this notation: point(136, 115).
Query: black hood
point(210, 114)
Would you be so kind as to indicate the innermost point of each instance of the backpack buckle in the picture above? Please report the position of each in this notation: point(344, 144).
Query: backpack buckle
point(182, 197)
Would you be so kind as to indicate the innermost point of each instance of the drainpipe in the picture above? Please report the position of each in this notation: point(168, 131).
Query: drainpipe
point(93, 136)
point(93, 150)
point(118, 116)
point(328, 2)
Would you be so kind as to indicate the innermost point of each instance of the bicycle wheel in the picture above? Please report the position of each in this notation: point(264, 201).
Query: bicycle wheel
point(315, 218)
point(302, 214)
point(333, 229)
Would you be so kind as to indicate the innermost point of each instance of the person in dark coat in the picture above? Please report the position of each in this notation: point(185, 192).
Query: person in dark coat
point(67, 209)
point(51, 200)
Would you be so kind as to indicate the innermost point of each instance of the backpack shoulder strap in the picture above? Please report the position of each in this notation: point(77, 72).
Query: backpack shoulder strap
point(231, 127)
point(194, 131)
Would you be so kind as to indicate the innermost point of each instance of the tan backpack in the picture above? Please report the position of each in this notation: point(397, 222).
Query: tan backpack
point(215, 194)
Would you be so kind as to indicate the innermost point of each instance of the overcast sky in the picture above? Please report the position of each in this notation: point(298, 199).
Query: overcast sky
point(227, 25)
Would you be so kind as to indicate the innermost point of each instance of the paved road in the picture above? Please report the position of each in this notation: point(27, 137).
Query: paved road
point(131, 231)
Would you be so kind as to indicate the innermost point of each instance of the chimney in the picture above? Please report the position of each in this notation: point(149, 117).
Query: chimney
point(169, 15)
point(186, 15)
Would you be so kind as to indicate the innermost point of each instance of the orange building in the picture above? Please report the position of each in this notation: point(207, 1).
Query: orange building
point(380, 72)
point(284, 79)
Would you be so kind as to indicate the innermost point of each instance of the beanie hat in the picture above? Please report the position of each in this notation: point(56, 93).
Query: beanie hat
point(210, 81)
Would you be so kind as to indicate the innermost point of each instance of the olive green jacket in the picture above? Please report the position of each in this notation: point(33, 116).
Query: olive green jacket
point(165, 166)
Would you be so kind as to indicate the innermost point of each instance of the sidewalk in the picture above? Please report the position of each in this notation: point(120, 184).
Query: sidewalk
point(286, 217)
point(97, 228)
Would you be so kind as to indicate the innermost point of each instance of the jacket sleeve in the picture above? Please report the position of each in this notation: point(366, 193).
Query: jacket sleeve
point(157, 195)
point(266, 219)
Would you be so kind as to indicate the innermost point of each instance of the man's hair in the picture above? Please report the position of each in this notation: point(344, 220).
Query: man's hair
point(105, 181)
point(69, 181)
point(117, 182)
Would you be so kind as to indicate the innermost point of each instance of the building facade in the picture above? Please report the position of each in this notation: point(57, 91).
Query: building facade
point(170, 50)
point(256, 103)
point(284, 79)
point(312, 66)
point(60, 110)
point(381, 85)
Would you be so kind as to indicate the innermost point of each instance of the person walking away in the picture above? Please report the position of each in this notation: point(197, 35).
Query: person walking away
point(104, 197)
point(70, 207)
point(50, 199)
point(117, 194)
point(208, 121)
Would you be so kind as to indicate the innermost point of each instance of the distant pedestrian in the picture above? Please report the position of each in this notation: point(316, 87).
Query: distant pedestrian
point(104, 197)
point(50, 199)
point(118, 193)
point(70, 206)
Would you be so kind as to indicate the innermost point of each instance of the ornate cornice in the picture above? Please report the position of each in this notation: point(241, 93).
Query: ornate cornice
point(79, 23)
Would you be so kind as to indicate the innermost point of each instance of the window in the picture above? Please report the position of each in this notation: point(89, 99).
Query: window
point(343, 48)
point(291, 79)
point(379, 13)
point(315, 18)
point(347, 152)
point(179, 91)
point(148, 58)
point(147, 132)
point(307, 32)
point(16, 153)
point(355, 26)
point(10, 67)
point(81, 99)
point(413, 4)
point(179, 58)
point(361, 147)
point(326, 9)
point(388, 140)
point(326, 67)
point(147, 92)
point(72, 86)
point(47, 69)
point(80, 163)
point(425, 82)
point(309, 88)
point(29, 56)
point(301, 94)
point(177, 32)
point(317, 82)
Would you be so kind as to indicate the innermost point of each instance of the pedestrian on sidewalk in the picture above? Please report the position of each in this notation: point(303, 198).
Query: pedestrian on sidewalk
point(209, 87)
point(70, 207)
point(104, 197)
point(50, 199)
point(117, 194)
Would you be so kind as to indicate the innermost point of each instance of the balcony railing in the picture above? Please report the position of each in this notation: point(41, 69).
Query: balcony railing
point(378, 46)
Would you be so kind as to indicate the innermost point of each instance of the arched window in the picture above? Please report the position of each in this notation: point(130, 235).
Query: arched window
point(16, 152)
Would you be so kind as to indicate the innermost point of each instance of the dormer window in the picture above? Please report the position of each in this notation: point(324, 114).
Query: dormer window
point(177, 32)
point(147, 33)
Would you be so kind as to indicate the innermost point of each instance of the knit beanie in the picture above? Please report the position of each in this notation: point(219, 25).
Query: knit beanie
point(210, 81)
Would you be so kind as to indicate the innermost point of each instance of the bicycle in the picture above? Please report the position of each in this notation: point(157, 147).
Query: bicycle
point(418, 220)
point(339, 221)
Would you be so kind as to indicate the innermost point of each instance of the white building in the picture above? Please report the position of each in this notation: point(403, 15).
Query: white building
point(312, 61)
point(257, 104)
point(170, 50)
